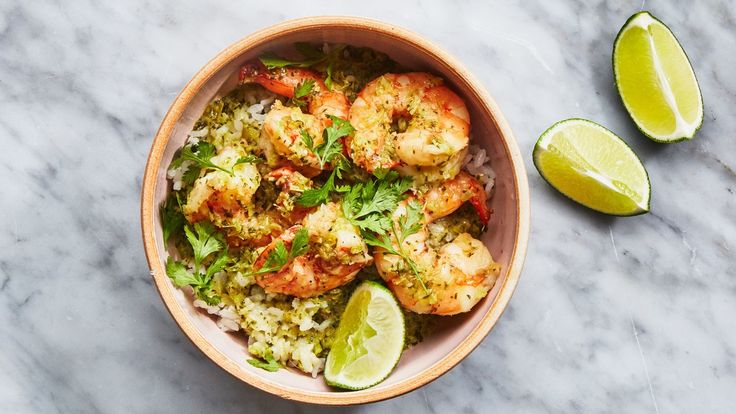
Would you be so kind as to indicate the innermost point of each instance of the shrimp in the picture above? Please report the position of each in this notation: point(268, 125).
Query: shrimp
point(217, 195)
point(458, 274)
point(335, 254)
point(240, 204)
point(433, 126)
point(283, 125)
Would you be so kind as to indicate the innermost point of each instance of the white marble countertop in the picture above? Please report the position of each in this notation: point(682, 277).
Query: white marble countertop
point(611, 315)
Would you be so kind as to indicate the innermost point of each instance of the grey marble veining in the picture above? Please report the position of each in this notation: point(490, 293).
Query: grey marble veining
point(611, 315)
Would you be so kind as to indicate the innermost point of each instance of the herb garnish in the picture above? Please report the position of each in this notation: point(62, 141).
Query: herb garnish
point(200, 154)
point(172, 220)
point(270, 365)
point(205, 241)
point(301, 91)
point(311, 54)
point(405, 226)
point(279, 257)
point(329, 151)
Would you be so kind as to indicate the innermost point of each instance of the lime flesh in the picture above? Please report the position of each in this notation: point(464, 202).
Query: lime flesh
point(591, 165)
point(369, 340)
point(656, 82)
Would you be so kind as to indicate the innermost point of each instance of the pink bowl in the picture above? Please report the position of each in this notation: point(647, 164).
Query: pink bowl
point(506, 238)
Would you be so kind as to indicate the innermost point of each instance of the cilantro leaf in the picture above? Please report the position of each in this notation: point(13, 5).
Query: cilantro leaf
point(172, 219)
point(200, 154)
point(368, 204)
point(191, 175)
point(270, 364)
point(273, 61)
point(301, 91)
point(248, 159)
point(179, 273)
point(300, 244)
point(218, 264)
point(331, 146)
point(204, 242)
point(316, 196)
point(279, 257)
point(411, 222)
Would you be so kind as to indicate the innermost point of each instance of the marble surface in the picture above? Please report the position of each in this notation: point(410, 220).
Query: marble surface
point(611, 315)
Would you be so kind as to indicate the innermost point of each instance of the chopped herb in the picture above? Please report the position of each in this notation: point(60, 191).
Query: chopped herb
point(204, 242)
point(367, 204)
point(201, 154)
point(301, 91)
point(331, 146)
point(404, 227)
point(270, 364)
point(248, 159)
point(316, 196)
point(272, 61)
point(172, 219)
point(279, 257)
point(330, 151)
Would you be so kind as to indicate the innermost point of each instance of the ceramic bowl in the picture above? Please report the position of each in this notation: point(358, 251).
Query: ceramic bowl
point(506, 238)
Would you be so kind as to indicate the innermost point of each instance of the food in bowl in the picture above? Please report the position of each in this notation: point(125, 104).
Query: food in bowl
point(319, 173)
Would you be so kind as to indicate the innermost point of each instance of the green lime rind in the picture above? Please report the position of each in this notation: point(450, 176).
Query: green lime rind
point(645, 131)
point(580, 165)
point(336, 373)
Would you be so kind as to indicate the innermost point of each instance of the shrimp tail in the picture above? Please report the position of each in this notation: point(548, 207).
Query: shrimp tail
point(258, 73)
point(481, 207)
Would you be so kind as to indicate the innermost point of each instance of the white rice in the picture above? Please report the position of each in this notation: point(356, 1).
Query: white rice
point(254, 114)
point(288, 335)
point(478, 164)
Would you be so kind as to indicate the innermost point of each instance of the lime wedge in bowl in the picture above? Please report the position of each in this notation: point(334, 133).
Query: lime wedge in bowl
point(656, 81)
point(591, 165)
point(369, 340)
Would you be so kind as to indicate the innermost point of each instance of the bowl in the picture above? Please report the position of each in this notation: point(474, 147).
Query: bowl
point(506, 238)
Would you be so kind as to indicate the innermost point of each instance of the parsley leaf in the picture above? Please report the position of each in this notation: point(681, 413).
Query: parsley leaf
point(172, 219)
point(331, 145)
point(200, 154)
point(273, 61)
point(248, 159)
point(270, 365)
point(179, 273)
point(191, 175)
point(279, 257)
point(315, 196)
point(405, 226)
point(217, 265)
point(204, 242)
point(330, 151)
point(301, 91)
point(367, 204)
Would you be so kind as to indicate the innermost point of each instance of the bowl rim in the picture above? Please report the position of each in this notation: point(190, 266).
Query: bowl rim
point(166, 290)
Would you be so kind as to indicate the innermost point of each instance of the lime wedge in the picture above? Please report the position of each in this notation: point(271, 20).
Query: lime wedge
point(369, 340)
point(594, 167)
point(655, 80)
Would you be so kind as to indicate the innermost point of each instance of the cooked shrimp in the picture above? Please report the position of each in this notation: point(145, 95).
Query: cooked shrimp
point(437, 124)
point(457, 275)
point(283, 125)
point(236, 203)
point(335, 255)
point(217, 195)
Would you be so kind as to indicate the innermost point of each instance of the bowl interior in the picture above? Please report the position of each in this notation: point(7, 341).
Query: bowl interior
point(501, 238)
